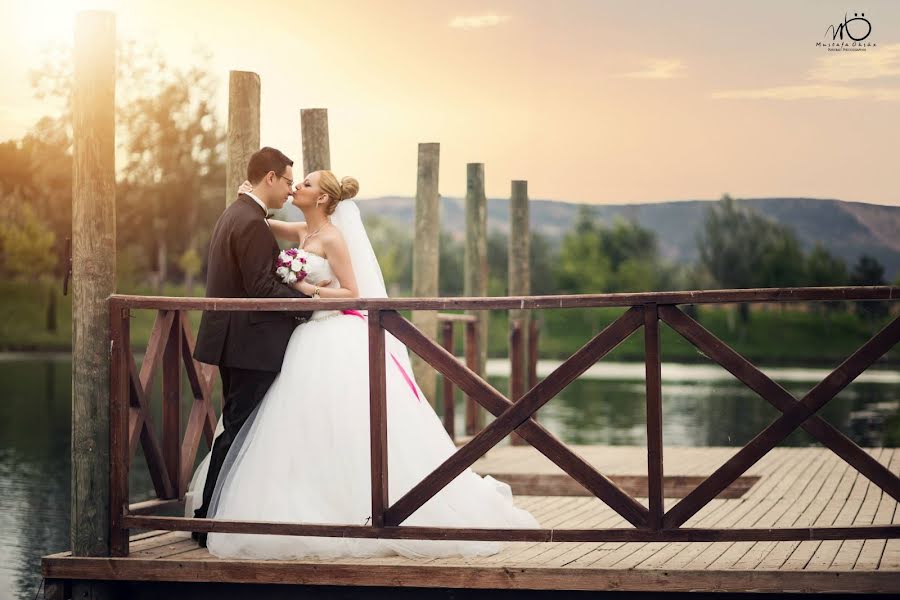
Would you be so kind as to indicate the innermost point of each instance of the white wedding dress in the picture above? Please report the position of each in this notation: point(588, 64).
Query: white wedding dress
point(303, 455)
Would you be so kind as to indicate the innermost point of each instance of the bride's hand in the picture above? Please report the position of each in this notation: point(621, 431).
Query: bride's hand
point(245, 187)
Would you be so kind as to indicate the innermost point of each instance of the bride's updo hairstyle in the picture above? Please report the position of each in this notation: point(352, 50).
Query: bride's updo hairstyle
point(344, 189)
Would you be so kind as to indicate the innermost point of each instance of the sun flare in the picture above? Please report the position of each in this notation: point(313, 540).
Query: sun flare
point(48, 21)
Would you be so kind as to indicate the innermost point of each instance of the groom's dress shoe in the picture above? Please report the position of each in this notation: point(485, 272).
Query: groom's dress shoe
point(199, 537)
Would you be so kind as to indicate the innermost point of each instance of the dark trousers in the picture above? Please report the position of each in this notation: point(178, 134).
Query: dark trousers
point(242, 390)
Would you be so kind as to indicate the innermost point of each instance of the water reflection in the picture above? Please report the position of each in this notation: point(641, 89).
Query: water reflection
point(702, 413)
point(35, 465)
point(698, 410)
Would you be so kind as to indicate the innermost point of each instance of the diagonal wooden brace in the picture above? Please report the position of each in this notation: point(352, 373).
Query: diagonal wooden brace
point(516, 416)
point(783, 426)
point(781, 399)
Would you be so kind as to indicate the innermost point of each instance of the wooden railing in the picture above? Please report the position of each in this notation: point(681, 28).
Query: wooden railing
point(517, 377)
point(171, 459)
point(447, 322)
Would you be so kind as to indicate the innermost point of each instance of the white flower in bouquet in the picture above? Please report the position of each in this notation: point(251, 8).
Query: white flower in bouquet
point(291, 265)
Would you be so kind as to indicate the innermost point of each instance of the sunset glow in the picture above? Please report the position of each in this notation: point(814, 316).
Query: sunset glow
point(597, 102)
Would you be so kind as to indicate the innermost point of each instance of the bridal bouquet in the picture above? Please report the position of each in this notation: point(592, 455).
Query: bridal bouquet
point(291, 265)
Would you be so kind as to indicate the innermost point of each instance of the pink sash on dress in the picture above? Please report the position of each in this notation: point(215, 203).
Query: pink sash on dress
point(406, 377)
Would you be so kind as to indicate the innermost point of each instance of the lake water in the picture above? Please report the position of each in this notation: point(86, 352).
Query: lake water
point(702, 406)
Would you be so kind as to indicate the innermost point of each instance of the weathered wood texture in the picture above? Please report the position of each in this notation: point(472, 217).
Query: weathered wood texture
point(797, 487)
point(425, 257)
point(792, 418)
point(475, 267)
point(119, 449)
point(378, 419)
point(316, 145)
point(674, 486)
point(480, 304)
point(516, 370)
point(655, 525)
point(472, 364)
point(519, 285)
point(653, 379)
point(243, 129)
point(510, 416)
point(447, 393)
point(93, 276)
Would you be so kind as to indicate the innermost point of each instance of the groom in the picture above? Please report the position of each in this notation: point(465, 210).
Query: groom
point(248, 347)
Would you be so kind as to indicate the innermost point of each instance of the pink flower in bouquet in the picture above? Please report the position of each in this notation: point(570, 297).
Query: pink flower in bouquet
point(291, 265)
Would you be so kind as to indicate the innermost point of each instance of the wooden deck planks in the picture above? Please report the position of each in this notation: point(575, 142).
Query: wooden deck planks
point(743, 514)
point(785, 514)
point(872, 550)
point(849, 550)
point(822, 510)
point(799, 487)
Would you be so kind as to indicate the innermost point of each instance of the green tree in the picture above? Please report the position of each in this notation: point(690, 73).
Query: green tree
point(584, 267)
point(636, 275)
point(634, 256)
point(393, 247)
point(823, 269)
point(171, 183)
point(27, 249)
point(451, 265)
point(869, 271)
point(174, 168)
point(190, 263)
point(498, 263)
point(543, 265)
point(628, 241)
point(783, 262)
point(741, 248)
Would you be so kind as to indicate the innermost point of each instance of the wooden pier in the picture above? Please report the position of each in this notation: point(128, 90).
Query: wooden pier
point(758, 518)
point(792, 488)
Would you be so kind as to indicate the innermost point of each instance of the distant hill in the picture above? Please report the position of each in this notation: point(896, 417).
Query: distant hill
point(847, 229)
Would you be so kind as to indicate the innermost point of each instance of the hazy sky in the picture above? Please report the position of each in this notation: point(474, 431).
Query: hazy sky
point(589, 101)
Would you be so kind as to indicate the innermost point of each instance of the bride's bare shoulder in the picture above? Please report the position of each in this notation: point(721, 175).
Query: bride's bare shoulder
point(332, 239)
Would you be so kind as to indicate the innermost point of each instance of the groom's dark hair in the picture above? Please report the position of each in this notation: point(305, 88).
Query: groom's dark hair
point(264, 160)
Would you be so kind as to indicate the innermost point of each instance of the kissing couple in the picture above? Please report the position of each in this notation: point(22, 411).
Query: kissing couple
point(293, 441)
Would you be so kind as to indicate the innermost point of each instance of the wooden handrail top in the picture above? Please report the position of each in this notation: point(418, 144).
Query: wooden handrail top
point(800, 294)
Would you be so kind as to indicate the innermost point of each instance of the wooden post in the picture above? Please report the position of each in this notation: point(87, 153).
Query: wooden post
point(448, 395)
point(517, 370)
point(314, 131)
point(93, 276)
point(653, 373)
point(243, 129)
point(171, 405)
point(475, 270)
point(519, 285)
point(532, 352)
point(472, 354)
point(378, 419)
point(425, 258)
point(119, 450)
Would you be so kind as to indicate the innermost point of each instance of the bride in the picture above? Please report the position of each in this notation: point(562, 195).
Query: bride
point(303, 455)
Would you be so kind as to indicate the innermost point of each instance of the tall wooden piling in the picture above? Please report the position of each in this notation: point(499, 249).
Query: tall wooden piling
point(475, 268)
point(316, 148)
point(243, 128)
point(519, 285)
point(425, 257)
point(93, 275)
